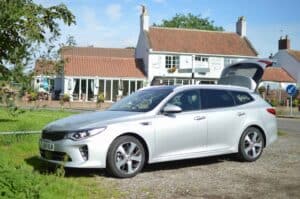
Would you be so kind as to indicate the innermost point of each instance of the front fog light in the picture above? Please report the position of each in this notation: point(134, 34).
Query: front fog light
point(84, 152)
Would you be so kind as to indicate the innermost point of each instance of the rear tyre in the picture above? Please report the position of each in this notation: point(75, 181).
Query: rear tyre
point(126, 157)
point(251, 144)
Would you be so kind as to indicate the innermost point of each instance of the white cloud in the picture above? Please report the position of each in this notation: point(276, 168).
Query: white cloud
point(114, 11)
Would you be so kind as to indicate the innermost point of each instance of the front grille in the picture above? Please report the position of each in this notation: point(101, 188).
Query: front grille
point(54, 155)
point(54, 136)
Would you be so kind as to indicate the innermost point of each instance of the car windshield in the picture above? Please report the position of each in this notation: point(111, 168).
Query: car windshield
point(141, 101)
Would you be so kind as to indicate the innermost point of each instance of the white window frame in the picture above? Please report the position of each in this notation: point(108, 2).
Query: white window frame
point(202, 59)
point(172, 61)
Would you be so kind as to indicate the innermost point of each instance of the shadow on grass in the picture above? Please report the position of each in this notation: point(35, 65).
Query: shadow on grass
point(8, 120)
point(45, 168)
point(49, 168)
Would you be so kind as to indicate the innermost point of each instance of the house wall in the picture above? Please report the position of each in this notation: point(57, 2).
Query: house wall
point(275, 85)
point(286, 61)
point(215, 65)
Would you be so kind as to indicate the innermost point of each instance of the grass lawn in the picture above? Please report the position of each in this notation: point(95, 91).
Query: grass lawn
point(29, 120)
point(24, 175)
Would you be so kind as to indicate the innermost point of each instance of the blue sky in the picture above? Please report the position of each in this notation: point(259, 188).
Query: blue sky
point(116, 23)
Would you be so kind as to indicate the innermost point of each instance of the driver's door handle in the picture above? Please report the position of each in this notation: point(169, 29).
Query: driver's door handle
point(199, 118)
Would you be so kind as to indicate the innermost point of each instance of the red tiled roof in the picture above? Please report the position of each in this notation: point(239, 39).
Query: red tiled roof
point(199, 41)
point(295, 54)
point(99, 52)
point(103, 66)
point(44, 67)
point(277, 74)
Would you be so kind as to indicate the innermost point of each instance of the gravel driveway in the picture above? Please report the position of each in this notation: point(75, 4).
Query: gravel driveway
point(275, 175)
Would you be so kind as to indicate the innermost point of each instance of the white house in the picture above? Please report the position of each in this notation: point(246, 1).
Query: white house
point(89, 71)
point(288, 59)
point(162, 56)
point(185, 56)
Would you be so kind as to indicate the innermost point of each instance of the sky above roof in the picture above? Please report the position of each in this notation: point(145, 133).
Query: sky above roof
point(116, 23)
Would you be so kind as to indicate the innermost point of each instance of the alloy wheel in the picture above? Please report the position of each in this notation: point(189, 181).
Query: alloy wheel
point(128, 157)
point(253, 144)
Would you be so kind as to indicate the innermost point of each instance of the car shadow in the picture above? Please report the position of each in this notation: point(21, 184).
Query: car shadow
point(178, 164)
point(48, 168)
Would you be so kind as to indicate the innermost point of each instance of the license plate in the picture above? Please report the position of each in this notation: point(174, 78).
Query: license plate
point(46, 145)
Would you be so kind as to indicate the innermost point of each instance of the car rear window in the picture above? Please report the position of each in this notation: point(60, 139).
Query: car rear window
point(214, 98)
point(241, 97)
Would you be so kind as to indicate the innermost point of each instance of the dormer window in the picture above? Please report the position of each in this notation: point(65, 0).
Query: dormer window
point(172, 61)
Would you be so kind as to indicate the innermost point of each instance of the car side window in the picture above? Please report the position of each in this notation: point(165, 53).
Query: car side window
point(187, 100)
point(241, 97)
point(215, 98)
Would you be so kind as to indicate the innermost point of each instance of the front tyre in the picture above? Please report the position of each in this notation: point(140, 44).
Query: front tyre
point(126, 157)
point(251, 144)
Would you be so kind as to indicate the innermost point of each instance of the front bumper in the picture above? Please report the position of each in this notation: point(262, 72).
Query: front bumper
point(71, 154)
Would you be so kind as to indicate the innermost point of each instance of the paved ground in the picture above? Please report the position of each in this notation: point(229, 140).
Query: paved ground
point(290, 125)
point(275, 175)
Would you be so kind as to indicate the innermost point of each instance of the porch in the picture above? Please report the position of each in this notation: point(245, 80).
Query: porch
point(88, 88)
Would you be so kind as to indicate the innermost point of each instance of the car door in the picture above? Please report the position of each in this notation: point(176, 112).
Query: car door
point(224, 119)
point(180, 134)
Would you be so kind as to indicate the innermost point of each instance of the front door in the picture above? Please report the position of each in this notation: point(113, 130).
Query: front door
point(180, 134)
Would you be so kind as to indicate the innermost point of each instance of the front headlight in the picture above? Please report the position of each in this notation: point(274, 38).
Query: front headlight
point(79, 135)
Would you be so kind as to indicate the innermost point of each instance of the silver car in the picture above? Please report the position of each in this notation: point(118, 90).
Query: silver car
point(165, 123)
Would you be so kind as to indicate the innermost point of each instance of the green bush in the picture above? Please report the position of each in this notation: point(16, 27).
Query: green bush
point(261, 89)
point(100, 99)
point(66, 98)
point(33, 96)
point(274, 102)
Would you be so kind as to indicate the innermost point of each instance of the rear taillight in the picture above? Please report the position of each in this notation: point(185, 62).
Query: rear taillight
point(272, 110)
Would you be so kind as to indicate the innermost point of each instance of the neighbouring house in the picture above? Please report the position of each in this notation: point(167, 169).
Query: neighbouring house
point(89, 71)
point(186, 56)
point(276, 78)
point(171, 56)
point(288, 58)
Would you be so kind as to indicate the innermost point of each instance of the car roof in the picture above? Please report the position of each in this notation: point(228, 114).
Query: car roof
point(198, 86)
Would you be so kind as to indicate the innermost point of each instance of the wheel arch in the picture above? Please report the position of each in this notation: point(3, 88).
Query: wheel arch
point(262, 131)
point(140, 138)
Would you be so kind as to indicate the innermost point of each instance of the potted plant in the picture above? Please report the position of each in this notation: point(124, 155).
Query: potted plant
point(100, 99)
point(63, 99)
point(172, 69)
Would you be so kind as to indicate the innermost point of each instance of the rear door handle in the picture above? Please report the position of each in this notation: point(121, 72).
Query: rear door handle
point(241, 113)
point(199, 118)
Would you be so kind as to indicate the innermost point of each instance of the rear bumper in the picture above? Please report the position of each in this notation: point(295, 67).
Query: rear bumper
point(271, 131)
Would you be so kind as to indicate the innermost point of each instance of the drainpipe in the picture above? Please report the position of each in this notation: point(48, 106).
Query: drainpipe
point(193, 70)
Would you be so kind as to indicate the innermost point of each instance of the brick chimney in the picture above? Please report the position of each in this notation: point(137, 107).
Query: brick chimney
point(241, 26)
point(144, 19)
point(284, 43)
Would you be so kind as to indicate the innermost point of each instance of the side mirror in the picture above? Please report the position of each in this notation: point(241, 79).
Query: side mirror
point(170, 108)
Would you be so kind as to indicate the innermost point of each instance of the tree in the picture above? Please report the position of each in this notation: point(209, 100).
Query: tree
point(190, 21)
point(24, 24)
